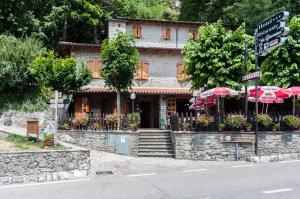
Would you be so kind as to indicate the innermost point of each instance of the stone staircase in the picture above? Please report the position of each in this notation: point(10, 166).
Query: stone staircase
point(155, 143)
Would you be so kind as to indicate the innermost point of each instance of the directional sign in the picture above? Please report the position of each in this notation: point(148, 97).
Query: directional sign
point(58, 106)
point(282, 16)
point(252, 75)
point(269, 33)
point(59, 101)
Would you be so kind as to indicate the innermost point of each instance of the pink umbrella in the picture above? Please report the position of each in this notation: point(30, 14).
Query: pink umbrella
point(293, 91)
point(266, 101)
point(208, 102)
point(217, 92)
point(269, 92)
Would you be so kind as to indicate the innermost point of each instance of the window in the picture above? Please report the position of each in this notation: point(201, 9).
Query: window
point(85, 105)
point(194, 34)
point(95, 66)
point(166, 33)
point(142, 70)
point(137, 31)
point(180, 75)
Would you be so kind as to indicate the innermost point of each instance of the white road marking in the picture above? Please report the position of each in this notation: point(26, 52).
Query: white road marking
point(194, 170)
point(43, 183)
point(142, 174)
point(288, 161)
point(244, 165)
point(277, 191)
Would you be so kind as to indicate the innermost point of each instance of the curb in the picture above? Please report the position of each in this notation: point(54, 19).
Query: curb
point(274, 158)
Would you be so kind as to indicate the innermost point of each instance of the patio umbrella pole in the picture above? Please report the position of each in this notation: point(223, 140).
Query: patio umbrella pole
point(267, 108)
point(263, 106)
point(219, 110)
point(294, 104)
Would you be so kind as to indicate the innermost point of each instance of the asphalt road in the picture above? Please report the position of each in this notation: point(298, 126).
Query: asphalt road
point(263, 180)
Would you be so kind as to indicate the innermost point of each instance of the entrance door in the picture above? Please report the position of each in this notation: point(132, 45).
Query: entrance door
point(145, 114)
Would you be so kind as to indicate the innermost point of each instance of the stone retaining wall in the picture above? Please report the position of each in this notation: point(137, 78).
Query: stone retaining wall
point(98, 140)
point(278, 143)
point(208, 146)
point(22, 167)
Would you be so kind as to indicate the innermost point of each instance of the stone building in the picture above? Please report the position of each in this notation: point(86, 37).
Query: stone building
point(158, 81)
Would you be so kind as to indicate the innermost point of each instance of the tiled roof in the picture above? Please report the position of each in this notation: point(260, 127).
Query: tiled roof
point(65, 43)
point(138, 90)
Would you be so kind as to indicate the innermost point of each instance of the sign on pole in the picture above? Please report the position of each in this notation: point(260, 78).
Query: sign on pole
point(252, 75)
point(270, 33)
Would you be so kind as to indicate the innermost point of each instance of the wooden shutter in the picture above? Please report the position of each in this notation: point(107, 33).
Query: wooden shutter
point(145, 70)
point(138, 72)
point(166, 33)
point(95, 67)
point(139, 32)
point(194, 34)
point(180, 75)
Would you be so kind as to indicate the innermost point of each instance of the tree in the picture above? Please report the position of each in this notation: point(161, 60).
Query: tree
point(15, 57)
point(120, 59)
point(216, 58)
point(59, 74)
point(282, 66)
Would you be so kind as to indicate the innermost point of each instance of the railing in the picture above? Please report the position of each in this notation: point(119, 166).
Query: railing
point(92, 121)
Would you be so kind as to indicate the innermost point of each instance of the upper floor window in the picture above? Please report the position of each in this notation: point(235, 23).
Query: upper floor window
point(194, 34)
point(166, 33)
point(180, 74)
point(137, 31)
point(95, 66)
point(142, 70)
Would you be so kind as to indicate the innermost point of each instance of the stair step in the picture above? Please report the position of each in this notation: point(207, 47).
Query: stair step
point(154, 136)
point(156, 147)
point(155, 151)
point(156, 155)
point(154, 139)
point(154, 143)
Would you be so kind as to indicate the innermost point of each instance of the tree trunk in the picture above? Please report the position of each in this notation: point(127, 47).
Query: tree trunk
point(118, 108)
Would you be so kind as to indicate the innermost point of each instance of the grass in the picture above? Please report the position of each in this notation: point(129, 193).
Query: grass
point(25, 143)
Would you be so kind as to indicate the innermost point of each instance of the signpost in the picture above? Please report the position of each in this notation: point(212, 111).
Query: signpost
point(269, 35)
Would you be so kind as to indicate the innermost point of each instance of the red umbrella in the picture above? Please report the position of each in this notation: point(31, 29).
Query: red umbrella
point(293, 91)
point(208, 102)
point(269, 92)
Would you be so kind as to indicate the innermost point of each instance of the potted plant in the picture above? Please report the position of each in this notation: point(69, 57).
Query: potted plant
point(248, 127)
point(186, 126)
point(292, 122)
point(204, 121)
point(133, 121)
point(48, 140)
point(221, 127)
point(235, 122)
point(96, 125)
point(276, 127)
point(111, 120)
point(264, 120)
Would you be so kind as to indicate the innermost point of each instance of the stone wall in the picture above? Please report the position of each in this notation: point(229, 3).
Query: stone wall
point(278, 143)
point(98, 140)
point(208, 146)
point(23, 167)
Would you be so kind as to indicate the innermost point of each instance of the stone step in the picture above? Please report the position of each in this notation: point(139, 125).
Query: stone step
point(154, 147)
point(155, 136)
point(154, 143)
point(161, 155)
point(154, 139)
point(168, 151)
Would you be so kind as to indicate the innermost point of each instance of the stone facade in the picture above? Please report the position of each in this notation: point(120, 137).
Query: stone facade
point(98, 140)
point(278, 143)
point(208, 146)
point(23, 167)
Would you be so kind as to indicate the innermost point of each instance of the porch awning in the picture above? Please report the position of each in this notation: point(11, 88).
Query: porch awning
point(139, 90)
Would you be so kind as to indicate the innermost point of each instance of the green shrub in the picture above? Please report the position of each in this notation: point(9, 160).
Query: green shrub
point(235, 122)
point(204, 120)
point(292, 122)
point(48, 137)
point(186, 125)
point(264, 119)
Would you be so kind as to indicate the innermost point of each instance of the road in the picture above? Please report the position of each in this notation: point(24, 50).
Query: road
point(244, 180)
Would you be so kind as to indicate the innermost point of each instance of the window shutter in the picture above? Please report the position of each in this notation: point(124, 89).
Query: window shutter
point(135, 31)
point(168, 33)
point(138, 72)
point(145, 74)
point(139, 31)
point(98, 67)
point(91, 65)
point(180, 75)
point(194, 34)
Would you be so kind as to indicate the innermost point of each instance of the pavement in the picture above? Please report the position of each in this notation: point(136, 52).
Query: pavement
point(167, 179)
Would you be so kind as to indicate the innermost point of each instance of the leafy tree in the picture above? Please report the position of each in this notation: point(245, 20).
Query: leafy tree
point(282, 66)
point(120, 59)
point(15, 57)
point(217, 57)
point(59, 74)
